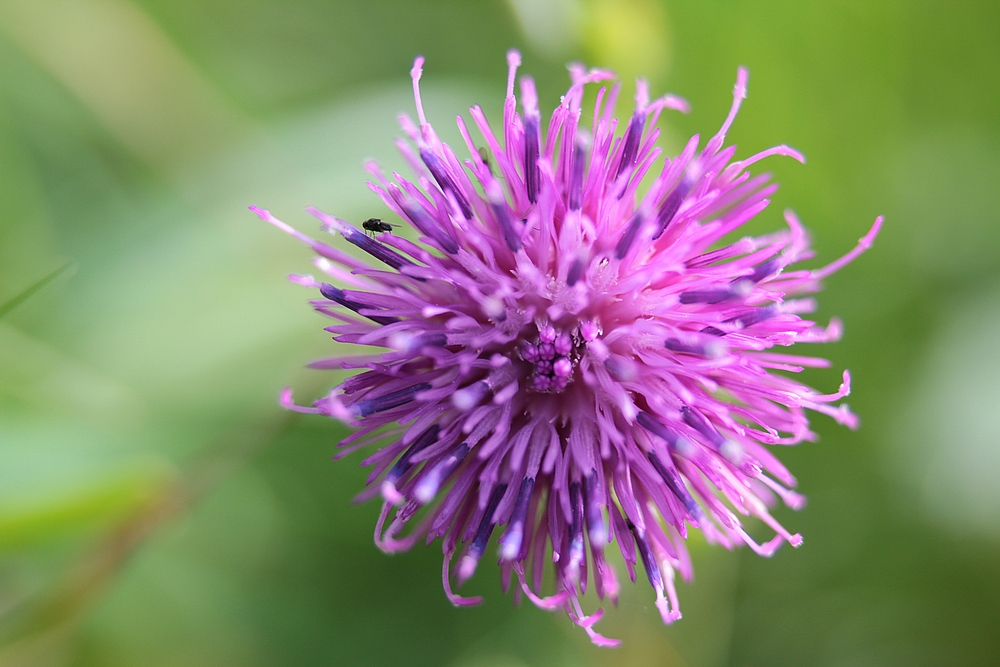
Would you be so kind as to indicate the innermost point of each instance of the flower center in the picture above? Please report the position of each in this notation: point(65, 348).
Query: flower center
point(553, 354)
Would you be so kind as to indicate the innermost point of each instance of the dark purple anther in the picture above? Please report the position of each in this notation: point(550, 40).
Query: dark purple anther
point(506, 225)
point(390, 400)
point(430, 227)
point(630, 148)
point(755, 316)
point(576, 554)
point(621, 369)
point(575, 271)
point(468, 397)
point(629, 236)
point(576, 178)
point(334, 294)
point(648, 562)
point(653, 425)
point(676, 485)
point(427, 340)
point(428, 486)
point(676, 345)
point(531, 156)
point(712, 331)
point(377, 250)
point(437, 169)
point(510, 543)
point(424, 440)
point(487, 523)
point(670, 206)
point(765, 270)
point(596, 529)
point(467, 566)
point(695, 420)
point(710, 296)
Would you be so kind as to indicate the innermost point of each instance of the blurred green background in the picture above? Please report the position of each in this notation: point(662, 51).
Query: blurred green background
point(157, 508)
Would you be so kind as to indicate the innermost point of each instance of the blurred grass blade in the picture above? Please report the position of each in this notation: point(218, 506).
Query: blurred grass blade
point(13, 303)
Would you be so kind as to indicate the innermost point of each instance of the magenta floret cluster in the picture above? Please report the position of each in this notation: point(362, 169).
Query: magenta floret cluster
point(566, 362)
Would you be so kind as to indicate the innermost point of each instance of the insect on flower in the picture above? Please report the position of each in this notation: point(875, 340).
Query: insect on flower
point(377, 226)
point(566, 363)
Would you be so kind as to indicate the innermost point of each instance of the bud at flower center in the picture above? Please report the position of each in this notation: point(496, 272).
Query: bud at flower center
point(553, 354)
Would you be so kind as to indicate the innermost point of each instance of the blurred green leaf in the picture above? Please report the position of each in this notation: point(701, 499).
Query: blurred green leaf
point(27, 524)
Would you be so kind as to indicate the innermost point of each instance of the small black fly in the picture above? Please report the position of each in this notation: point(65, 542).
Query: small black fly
point(485, 157)
point(377, 226)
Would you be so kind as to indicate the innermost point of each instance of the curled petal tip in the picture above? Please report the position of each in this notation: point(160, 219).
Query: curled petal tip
point(600, 640)
point(286, 402)
point(845, 386)
point(867, 240)
point(548, 603)
point(462, 601)
point(418, 67)
point(454, 598)
point(742, 75)
point(641, 94)
point(667, 615)
point(788, 151)
point(677, 103)
point(589, 621)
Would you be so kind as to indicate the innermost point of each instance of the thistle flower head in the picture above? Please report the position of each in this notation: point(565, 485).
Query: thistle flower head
point(568, 362)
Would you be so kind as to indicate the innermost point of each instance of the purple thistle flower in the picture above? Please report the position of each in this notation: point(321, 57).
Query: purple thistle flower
point(568, 363)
